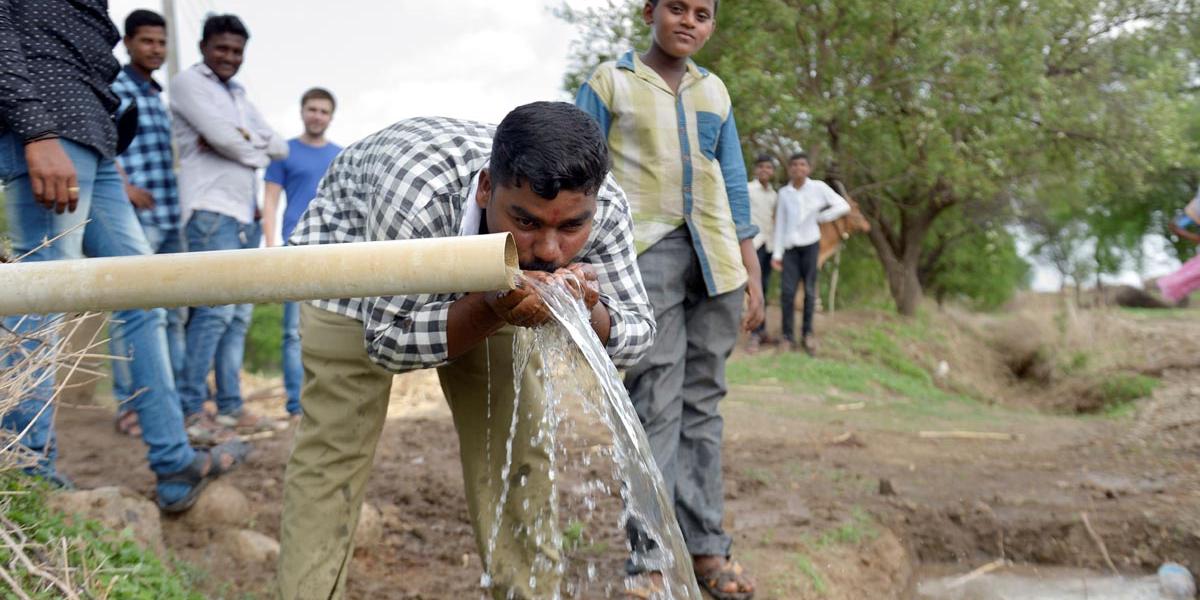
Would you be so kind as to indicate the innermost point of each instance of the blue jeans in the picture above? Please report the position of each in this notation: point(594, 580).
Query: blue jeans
point(162, 241)
point(232, 349)
point(215, 334)
point(113, 230)
point(293, 369)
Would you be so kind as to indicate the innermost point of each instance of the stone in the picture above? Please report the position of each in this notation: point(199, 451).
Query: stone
point(116, 508)
point(248, 546)
point(886, 488)
point(370, 527)
point(221, 505)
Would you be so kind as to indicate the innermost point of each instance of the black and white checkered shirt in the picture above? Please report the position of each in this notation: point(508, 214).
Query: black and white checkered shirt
point(411, 181)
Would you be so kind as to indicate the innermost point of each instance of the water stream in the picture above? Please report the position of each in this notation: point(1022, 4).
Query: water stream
point(599, 452)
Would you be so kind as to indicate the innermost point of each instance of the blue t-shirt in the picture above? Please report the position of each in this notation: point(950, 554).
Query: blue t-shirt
point(299, 175)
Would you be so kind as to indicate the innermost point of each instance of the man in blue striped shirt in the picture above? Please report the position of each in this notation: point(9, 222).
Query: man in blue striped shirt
point(149, 167)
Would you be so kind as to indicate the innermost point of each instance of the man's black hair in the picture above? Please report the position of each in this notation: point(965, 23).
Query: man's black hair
point(798, 156)
point(764, 158)
point(218, 24)
point(552, 146)
point(142, 18)
point(716, 4)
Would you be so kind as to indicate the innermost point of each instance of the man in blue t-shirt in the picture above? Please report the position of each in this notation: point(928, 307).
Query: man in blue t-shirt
point(297, 176)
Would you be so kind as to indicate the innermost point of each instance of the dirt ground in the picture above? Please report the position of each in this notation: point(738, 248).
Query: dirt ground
point(825, 499)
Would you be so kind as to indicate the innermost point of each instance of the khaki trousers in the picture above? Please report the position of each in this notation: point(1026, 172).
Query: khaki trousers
point(345, 399)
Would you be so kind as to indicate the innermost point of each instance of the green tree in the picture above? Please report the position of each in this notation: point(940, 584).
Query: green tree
point(933, 110)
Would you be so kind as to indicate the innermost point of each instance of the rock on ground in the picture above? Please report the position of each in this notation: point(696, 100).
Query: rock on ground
point(220, 505)
point(248, 546)
point(370, 527)
point(116, 508)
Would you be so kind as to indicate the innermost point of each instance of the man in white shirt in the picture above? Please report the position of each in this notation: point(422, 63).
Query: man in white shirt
point(803, 205)
point(762, 215)
point(222, 140)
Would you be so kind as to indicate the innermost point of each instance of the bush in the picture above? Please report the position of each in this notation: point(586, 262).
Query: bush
point(264, 340)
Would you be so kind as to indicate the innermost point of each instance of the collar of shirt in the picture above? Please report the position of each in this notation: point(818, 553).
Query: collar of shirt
point(142, 81)
point(472, 214)
point(630, 61)
point(209, 73)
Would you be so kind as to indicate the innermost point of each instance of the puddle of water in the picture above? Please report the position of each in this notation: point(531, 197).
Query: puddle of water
point(1042, 584)
point(581, 384)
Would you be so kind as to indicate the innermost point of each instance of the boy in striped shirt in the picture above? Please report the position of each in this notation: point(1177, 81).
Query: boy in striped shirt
point(674, 144)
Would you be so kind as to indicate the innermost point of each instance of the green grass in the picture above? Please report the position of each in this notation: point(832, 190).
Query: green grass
point(1161, 313)
point(119, 567)
point(872, 363)
point(1119, 391)
point(856, 530)
point(815, 579)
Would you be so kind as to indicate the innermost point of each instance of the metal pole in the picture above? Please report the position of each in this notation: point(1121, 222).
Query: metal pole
point(262, 275)
point(168, 10)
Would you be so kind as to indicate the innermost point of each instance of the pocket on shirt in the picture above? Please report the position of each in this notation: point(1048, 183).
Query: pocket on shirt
point(709, 127)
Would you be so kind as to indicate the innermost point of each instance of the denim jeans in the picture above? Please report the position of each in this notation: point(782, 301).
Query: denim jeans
point(232, 349)
point(209, 326)
point(113, 230)
point(799, 266)
point(162, 241)
point(293, 368)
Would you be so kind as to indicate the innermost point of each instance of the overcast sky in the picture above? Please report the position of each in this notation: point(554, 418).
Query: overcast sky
point(386, 61)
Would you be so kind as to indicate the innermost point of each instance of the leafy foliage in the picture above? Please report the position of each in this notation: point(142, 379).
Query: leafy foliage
point(1072, 118)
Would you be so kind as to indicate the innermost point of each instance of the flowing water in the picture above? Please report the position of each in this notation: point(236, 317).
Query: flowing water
point(600, 466)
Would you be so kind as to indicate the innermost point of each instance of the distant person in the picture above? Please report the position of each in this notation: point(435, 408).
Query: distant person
point(298, 175)
point(149, 166)
point(763, 198)
point(58, 139)
point(1178, 285)
point(803, 205)
point(222, 139)
point(541, 176)
point(676, 152)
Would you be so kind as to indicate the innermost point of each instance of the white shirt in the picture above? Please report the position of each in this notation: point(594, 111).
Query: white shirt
point(219, 178)
point(762, 212)
point(800, 212)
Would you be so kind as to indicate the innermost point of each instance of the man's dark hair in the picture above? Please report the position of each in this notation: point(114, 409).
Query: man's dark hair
point(218, 24)
point(318, 93)
point(552, 146)
point(716, 4)
point(764, 158)
point(142, 18)
point(798, 156)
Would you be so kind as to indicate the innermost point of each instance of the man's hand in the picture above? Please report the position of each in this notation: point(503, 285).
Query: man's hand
point(140, 198)
point(52, 176)
point(776, 265)
point(522, 307)
point(583, 282)
point(756, 311)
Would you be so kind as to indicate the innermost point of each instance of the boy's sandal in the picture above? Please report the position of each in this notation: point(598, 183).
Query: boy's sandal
point(126, 423)
point(198, 478)
point(715, 580)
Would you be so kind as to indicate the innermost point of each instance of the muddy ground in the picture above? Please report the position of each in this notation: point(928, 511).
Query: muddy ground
point(830, 494)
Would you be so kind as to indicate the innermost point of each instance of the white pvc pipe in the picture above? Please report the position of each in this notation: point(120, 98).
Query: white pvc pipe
point(263, 275)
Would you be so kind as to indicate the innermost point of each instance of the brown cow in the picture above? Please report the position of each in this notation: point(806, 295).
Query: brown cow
point(835, 232)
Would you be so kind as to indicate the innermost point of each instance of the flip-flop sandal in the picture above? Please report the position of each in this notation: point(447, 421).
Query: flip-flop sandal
point(126, 423)
point(195, 476)
point(730, 572)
